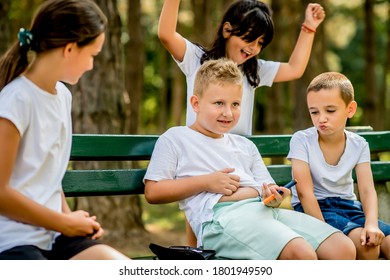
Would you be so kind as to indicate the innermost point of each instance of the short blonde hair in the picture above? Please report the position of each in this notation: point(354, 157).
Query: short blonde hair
point(219, 71)
point(331, 80)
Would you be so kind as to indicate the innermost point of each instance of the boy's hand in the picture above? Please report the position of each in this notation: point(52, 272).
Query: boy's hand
point(371, 236)
point(314, 15)
point(272, 189)
point(223, 182)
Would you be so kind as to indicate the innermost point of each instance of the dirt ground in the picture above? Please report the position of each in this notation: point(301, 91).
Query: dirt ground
point(138, 245)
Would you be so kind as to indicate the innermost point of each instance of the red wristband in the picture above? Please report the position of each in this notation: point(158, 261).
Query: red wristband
point(307, 29)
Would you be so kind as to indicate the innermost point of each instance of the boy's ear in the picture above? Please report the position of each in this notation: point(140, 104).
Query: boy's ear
point(226, 30)
point(194, 100)
point(352, 109)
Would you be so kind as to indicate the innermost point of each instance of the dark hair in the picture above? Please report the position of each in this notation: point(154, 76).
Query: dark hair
point(249, 19)
point(55, 24)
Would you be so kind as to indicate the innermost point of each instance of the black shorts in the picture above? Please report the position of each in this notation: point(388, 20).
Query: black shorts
point(64, 248)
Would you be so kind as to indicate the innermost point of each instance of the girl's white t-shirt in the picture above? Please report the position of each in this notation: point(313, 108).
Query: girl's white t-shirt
point(44, 124)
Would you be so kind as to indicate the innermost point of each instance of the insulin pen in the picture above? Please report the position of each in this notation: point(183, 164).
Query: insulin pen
point(287, 186)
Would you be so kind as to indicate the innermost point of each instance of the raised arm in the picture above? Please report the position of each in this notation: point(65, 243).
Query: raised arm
point(172, 41)
point(299, 58)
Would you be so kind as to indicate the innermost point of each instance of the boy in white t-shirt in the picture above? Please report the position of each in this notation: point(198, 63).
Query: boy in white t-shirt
point(219, 178)
point(323, 158)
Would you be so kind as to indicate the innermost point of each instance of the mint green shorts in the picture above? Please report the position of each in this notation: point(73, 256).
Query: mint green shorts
point(248, 229)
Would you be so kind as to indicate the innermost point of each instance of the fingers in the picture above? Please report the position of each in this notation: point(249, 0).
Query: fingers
point(363, 238)
point(371, 238)
point(315, 13)
point(82, 213)
point(97, 234)
point(233, 187)
point(232, 181)
point(96, 230)
point(227, 170)
point(272, 196)
point(284, 191)
point(266, 191)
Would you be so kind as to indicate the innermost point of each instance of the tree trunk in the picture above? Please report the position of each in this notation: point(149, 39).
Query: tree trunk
point(371, 95)
point(6, 37)
point(135, 62)
point(386, 74)
point(99, 106)
point(13, 16)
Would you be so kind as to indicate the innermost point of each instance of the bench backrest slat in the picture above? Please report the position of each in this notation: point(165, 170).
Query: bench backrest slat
point(92, 147)
point(112, 147)
point(140, 147)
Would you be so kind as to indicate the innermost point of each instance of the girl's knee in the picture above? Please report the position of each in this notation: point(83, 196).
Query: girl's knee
point(100, 252)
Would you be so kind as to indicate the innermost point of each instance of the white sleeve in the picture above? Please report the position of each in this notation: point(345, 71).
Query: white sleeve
point(16, 108)
point(365, 155)
point(163, 162)
point(191, 59)
point(298, 148)
point(267, 72)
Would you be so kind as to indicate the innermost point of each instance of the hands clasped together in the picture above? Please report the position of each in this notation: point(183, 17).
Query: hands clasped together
point(79, 223)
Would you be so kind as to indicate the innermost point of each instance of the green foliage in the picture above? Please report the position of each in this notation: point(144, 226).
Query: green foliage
point(351, 56)
point(343, 41)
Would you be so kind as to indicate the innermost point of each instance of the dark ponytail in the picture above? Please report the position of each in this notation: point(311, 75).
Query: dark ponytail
point(13, 63)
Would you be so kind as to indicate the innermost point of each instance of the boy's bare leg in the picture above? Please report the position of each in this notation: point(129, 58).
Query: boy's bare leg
point(385, 248)
point(298, 249)
point(338, 246)
point(363, 252)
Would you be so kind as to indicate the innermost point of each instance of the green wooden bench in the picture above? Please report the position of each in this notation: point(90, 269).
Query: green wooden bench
point(94, 147)
point(128, 181)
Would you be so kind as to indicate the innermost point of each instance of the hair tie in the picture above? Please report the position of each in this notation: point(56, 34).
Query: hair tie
point(25, 37)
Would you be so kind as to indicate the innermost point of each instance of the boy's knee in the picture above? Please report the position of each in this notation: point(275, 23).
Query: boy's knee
point(337, 247)
point(298, 249)
point(367, 252)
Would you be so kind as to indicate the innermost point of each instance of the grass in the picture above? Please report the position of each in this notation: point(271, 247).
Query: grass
point(165, 216)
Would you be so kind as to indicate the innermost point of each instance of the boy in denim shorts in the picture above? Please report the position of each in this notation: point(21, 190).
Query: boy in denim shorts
point(323, 158)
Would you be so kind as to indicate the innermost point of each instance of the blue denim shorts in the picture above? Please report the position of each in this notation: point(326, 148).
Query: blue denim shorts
point(344, 214)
